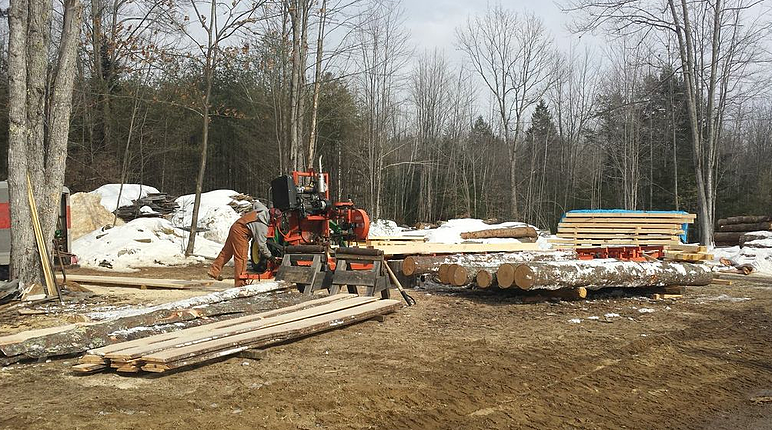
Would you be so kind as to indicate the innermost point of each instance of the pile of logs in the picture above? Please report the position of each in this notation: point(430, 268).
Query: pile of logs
point(151, 206)
point(733, 231)
point(555, 271)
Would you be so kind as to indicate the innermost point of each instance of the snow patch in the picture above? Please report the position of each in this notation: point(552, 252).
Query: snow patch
point(645, 310)
point(215, 215)
point(760, 258)
point(575, 320)
point(611, 315)
point(109, 194)
point(143, 242)
point(384, 227)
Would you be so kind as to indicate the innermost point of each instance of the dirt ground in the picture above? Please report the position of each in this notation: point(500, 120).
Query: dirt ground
point(456, 360)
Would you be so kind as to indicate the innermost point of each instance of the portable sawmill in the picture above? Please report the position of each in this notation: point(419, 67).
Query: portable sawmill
point(304, 220)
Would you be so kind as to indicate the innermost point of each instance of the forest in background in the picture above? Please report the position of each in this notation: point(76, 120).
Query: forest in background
point(408, 135)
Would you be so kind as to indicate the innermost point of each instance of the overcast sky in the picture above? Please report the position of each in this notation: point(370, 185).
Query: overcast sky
point(432, 23)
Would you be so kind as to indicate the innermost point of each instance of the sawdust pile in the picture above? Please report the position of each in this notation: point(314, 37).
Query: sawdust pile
point(88, 214)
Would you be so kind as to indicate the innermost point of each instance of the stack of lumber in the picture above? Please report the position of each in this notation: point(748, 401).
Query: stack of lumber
point(208, 342)
point(614, 227)
point(730, 231)
point(689, 253)
point(152, 205)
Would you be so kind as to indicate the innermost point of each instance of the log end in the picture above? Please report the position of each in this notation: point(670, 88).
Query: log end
point(484, 279)
point(524, 277)
point(408, 266)
point(459, 275)
point(506, 275)
point(442, 273)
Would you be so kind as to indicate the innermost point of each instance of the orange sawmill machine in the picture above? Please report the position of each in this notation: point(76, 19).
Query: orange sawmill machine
point(315, 241)
point(304, 220)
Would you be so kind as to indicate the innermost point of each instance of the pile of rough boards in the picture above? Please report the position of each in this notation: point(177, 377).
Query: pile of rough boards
point(738, 230)
point(611, 227)
point(207, 342)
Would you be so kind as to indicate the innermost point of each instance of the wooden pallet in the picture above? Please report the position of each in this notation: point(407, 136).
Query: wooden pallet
point(200, 344)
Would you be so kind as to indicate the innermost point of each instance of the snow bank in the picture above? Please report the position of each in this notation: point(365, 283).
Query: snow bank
point(758, 258)
point(384, 227)
point(131, 192)
point(214, 214)
point(87, 214)
point(449, 232)
point(143, 242)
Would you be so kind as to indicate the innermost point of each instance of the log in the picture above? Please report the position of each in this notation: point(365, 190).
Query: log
point(464, 275)
point(728, 237)
point(509, 233)
point(485, 278)
point(505, 275)
point(748, 238)
point(420, 264)
point(746, 227)
point(442, 273)
point(744, 219)
point(601, 273)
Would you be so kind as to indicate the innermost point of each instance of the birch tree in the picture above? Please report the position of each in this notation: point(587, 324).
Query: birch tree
point(40, 103)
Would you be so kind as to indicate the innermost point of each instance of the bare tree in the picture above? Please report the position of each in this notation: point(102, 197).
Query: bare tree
point(383, 54)
point(719, 42)
point(39, 115)
point(514, 57)
point(208, 34)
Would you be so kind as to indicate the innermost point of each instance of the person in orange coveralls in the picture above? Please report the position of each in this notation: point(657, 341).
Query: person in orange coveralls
point(252, 225)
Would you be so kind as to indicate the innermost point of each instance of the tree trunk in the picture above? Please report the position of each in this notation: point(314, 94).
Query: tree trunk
point(208, 76)
point(598, 274)
point(509, 232)
point(37, 135)
point(420, 264)
point(317, 85)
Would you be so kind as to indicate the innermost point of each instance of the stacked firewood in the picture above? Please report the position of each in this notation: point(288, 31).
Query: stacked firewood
point(737, 230)
point(152, 205)
point(241, 203)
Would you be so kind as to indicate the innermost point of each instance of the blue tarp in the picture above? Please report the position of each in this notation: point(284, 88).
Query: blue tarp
point(684, 227)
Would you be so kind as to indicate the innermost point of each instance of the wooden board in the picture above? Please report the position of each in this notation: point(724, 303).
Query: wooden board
point(620, 230)
point(178, 284)
point(98, 353)
point(459, 248)
point(248, 339)
point(205, 333)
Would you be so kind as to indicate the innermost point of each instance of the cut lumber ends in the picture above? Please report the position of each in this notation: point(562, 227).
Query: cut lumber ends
point(688, 256)
point(596, 274)
point(508, 232)
point(88, 368)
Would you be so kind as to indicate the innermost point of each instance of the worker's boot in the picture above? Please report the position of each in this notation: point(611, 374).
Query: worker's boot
point(213, 276)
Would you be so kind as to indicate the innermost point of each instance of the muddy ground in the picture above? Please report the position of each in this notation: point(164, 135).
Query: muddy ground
point(457, 360)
